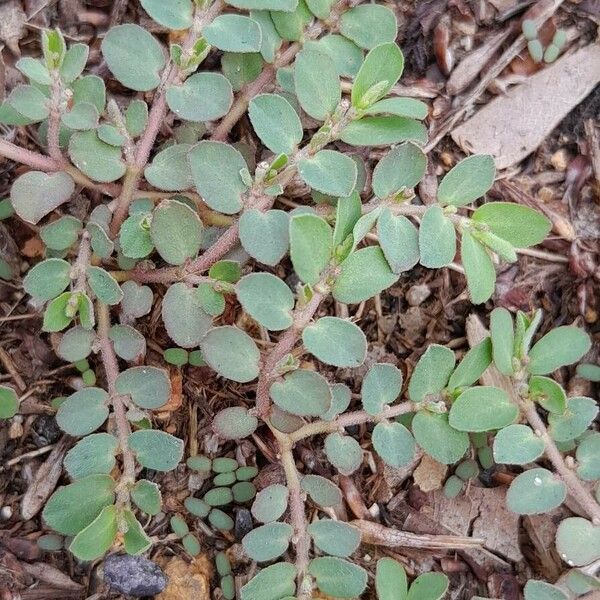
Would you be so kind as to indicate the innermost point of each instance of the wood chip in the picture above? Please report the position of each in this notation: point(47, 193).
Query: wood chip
point(512, 126)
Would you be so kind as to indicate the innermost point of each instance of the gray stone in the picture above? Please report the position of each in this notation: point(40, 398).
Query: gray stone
point(134, 575)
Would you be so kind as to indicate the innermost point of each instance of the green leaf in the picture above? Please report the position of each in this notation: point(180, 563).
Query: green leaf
point(156, 449)
point(343, 452)
point(233, 33)
point(97, 538)
point(340, 400)
point(364, 274)
point(540, 590)
point(369, 25)
point(316, 82)
point(35, 194)
point(73, 507)
point(211, 301)
point(437, 238)
point(470, 179)
point(588, 466)
point(381, 386)
point(220, 520)
point(267, 542)
point(401, 107)
point(479, 269)
point(285, 5)
point(276, 581)
point(9, 402)
point(348, 213)
point(401, 168)
point(321, 491)
point(176, 231)
point(503, 340)
point(535, 491)
point(241, 69)
point(134, 236)
point(267, 299)
point(185, 321)
point(379, 72)
point(399, 241)
point(104, 285)
point(83, 412)
point(334, 537)
point(338, 577)
point(93, 455)
point(431, 373)
point(55, 316)
point(133, 56)
point(291, 25)
point(201, 97)
point(101, 244)
point(111, 135)
point(276, 123)
point(149, 387)
point(336, 342)
point(135, 539)
point(560, 347)
point(97, 159)
point(428, 586)
point(579, 414)
point(347, 57)
point(234, 423)
point(226, 270)
point(74, 62)
point(442, 442)
point(34, 69)
point(90, 88)
point(520, 225)
point(232, 353)
point(170, 170)
point(270, 503)
point(310, 246)
point(62, 233)
point(85, 308)
point(137, 299)
point(578, 541)
point(517, 445)
point(383, 131)
point(136, 117)
point(472, 366)
point(28, 101)
point(589, 371)
point(482, 408)
point(81, 117)
point(329, 172)
point(265, 236)
point(390, 580)
point(216, 173)
point(47, 279)
point(129, 344)
point(548, 394)
point(394, 443)
point(271, 40)
point(177, 14)
point(303, 393)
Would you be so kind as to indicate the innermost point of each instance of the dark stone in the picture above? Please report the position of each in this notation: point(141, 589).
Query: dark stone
point(134, 575)
point(45, 431)
point(243, 523)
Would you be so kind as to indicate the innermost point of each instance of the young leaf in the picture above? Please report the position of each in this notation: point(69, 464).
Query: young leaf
point(156, 449)
point(137, 299)
point(442, 442)
point(348, 213)
point(472, 366)
point(55, 315)
point(428, 586)
point(83, 412)
point(270, 503)
point(93, 455)
point(548, 394)
point(401, 107)
point(170, 169)
point(334, 537)
point(381, 386)
point(291, 25)
point(503, 340)
point(104, 285)
point(135, 539)
point(81, 117)
point(431, 373)
point(390, 580)
point(560, 347)
point(369, 25)
point(177, 14)
point(394, 443)
point(479, 269)
point(265, 236)
point(540, 590)
point(90, 88)
point(267, 299)
point(437, 238)
point(136, 117)
point(97, 538)
point(233, 33)
point(129, 344)
point(470, 179)
point(201, 97)
point(579, 414)
point(401, 168)
point(310, 246)
point(267, 542)
point(343, 452)
point(379, 72)
point(149, 387)
point(232, 353)
point(337, 577)
point(383, 131)
point(520, 225)
point(336, 342)
point(276, 123)
point(321, 491)
point(34, 69)
point(276, 581)
point(176, 232)
point(185, 321)
point(317, 84)
point(234, 423)
point(482, 408)
point(303, 393)
point(399, 241)
point(241, 69)
point(47, 279)
point(271, 40)
point(329, 172)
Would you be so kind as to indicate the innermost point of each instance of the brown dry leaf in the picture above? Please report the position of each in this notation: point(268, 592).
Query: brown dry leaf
point(33, 248)
point(430, 474)
point(12, 24)
point(176, 398)
point(512, 126)
point(51, 575)
point(188, 581)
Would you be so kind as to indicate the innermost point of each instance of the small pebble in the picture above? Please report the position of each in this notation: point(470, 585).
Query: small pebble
point(417, 294)
point(134, 575)
point(243, 523)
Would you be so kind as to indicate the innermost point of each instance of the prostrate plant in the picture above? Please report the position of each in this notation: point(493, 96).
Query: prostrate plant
point(179, 220)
